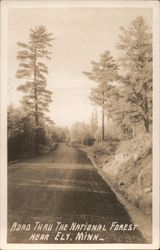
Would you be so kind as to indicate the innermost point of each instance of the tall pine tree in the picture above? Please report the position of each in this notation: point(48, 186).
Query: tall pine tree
point(136, 61)
point(36, 97)
point(104, 72)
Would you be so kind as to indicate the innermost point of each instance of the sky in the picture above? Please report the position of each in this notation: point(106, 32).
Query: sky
point(81, 35)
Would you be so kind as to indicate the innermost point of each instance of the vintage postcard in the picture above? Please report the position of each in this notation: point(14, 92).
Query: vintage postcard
point(80, 115)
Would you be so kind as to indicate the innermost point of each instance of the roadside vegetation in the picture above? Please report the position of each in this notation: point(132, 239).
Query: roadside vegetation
point(122, 143)
point(21, 134)
point(30, 131)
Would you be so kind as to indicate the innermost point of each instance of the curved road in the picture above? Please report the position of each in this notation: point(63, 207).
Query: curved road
point(63, 189)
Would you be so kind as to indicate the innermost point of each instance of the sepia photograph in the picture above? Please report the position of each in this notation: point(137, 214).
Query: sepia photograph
point(80, 124)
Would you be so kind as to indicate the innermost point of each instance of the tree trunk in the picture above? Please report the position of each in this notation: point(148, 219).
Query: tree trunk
point(146, 124)
point(102, 136)
point(36, 106)
point(36, 137)
point(146, 120)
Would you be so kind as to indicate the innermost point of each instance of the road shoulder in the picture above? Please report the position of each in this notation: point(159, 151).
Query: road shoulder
point(137, 216)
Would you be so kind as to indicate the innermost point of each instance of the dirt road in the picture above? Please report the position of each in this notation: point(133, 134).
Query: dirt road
point(60, 198)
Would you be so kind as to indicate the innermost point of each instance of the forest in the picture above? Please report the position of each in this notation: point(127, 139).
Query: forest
point(123, 93)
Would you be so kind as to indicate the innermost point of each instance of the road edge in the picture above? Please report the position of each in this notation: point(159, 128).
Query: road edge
point(137, 216)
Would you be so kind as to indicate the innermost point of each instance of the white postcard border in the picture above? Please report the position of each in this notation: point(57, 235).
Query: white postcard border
point(5, 5)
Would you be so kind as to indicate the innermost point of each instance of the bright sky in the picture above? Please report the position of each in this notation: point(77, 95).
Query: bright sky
point(82, 34)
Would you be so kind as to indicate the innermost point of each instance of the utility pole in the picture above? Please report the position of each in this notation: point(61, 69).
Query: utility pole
point(102, 135)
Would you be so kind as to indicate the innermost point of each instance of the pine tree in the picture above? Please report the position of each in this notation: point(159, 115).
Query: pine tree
point(104, 73)
point(136, 61)
point(36, 97)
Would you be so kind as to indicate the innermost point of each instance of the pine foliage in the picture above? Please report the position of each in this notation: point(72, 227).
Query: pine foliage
point(32, 68)
point(36, 97)
point(136, 62)
point(105, 73)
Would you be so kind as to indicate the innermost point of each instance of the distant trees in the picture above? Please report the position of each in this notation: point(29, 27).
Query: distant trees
point(36, 97)
point(61, 134)
point(80, 133)
point(104, 72)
